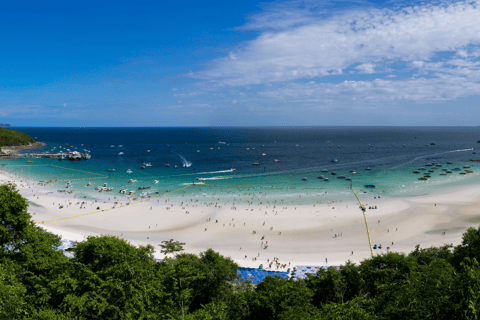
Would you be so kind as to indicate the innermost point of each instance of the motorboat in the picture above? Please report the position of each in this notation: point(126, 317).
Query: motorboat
point(176, 167)
point(120, 153)
point(469, 171)
point(276, 160)
point(422, 168)
point(368, 169)
point(147, 164)
point(326, 179)
point(105, 184)
point(466, 166)
point(142, 167)
point(348, 179)
point(221, 142)
point(167, 165)
point(321, 177)
point(422, 178)
point(120, 145)
point(443, 174)
point(333, 173)
point(132, 180)
point(353, 172)
point(428, 165)
point(449, 162)
point(264, 154)
point(341, 177)
point(148, 150)
point(155, 182)
point(448, 171)
point(62, 157)
point(123, 191)
point(334, 160)
point(324, 170)
point(416, 171)
point(74, 156)
point(129, 171)
point(90, 184)
point(131, 192)
point(111, 170)
point(86, 156)
point(143, 188)
point(255, 164)
point(304, 179)
point(369, 186)
point(462, 173)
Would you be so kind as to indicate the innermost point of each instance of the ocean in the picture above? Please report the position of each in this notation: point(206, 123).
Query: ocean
point(276, 159)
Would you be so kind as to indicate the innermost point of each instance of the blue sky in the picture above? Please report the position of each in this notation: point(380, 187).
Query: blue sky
point(239, 63)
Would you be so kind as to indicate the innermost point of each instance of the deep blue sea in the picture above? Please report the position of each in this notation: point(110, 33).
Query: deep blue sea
point(392, 154)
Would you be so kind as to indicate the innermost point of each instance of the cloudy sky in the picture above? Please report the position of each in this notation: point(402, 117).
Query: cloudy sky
point(244, 63)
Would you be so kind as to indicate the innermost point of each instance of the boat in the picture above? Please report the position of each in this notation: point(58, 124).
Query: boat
point(122, 191)
point(143, 188)
point(462, 173)
point(432, 144)
point(341, 177)
point(155, 182)
point(324, 170)
point(176, 167)
point(369, 186)
point(434, 167)
point(431, 170)
point(353, 172)
point(29, 161)
point(131, 192)
point(86, 156)
point(326, 179)
point(449, 171)
point(368, 169)
point(469, 171)
point(120, 145)
point(422, 168)
point(112, 146)
point(456, 169)
point(276, 160)
point(142, 167)
point(120, 153)
point(321, 177)
point(449, 162)
point(348, 179)
point(466, 166)
point(422, 178)
point(147, 164)
point(90, 184)
point(221, 142)
point(264, 154)
point(428, 165)
point(129, 171)
point(334, 160)
point(111, 170)
point(416, 171)
point(255, 164)
point(167, 165)
point(62, 157)
point(333, 173)
point(148, 150)
point(304, 179)
point(443, 174)
point(132, 180)
point(74, 156)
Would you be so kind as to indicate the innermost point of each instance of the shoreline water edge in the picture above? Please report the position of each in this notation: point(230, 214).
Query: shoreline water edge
point(319, 233)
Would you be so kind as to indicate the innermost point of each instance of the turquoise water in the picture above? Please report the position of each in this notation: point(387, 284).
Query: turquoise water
point(302, 153)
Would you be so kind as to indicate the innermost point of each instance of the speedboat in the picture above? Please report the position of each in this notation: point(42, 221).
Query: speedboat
point(304, 179)
point(167, 165)
point(142, 188)
point(369, 186)
point(334, 160)
point(147, 164)
point(423, 178)
point(90, 184)
point(264, 154)
point(341, 177)
point(348, 179)
point(368, 169)
point(321, 177)
point(353, 172)
point(131, 192)
point(324, 170)
point(74, 156)
point(255, 164)
point(155, 182)
point(132, 180)
point(111, 170)
point(276, 160)
point(326, 179)
point(122, 191)
point(120, 153)
point(129, 171)
point(142, 167)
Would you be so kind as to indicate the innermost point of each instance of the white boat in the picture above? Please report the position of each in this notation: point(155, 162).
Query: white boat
point(131, 192)
point(123, 191)
point(155, 182)
point(120, 145)
point(90, 184)
point(276, 160)
point(148, 150)
point(147, 164)
point(221, 142)
point(74, 156)
point(86, 156)
point(129, 171)
point(132, 180)
point(111, 170)
point(120, 153)
point(112, 146)
point(264, 154)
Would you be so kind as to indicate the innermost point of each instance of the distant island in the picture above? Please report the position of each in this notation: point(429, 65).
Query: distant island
point(12, 141)
point(5, 125)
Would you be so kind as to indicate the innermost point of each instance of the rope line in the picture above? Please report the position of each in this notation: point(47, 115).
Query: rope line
point(366, 224)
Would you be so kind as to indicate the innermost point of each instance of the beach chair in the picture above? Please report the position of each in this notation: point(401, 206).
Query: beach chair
point(375, 246)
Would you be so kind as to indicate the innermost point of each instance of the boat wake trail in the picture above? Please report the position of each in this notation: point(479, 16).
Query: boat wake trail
point(185, 162)
point(211, 172)
point(431, 155)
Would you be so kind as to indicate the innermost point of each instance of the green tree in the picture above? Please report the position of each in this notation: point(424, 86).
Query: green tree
point(12, 302)
point(171, 246)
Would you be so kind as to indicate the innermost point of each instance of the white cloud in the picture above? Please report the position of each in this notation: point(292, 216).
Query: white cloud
point(367, 68)
point(309, 46)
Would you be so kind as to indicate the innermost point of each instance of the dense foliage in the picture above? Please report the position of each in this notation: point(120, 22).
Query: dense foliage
point(10, 137)
point(110, 279)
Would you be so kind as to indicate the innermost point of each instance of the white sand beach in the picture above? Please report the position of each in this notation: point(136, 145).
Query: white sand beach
point(295, 234)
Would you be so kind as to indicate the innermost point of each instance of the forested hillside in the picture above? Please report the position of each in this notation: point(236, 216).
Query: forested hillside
point(10, 137)
point(110, 279)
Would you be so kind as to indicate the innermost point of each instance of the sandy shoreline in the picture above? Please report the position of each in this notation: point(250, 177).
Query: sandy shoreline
point(310, 234)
